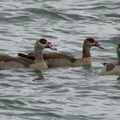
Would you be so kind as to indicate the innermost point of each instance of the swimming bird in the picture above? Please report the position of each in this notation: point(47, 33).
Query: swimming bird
point(112, 68)
point(61, 60)
point(9, 62)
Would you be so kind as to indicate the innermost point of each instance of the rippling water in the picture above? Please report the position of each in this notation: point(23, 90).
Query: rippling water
point(62, 93)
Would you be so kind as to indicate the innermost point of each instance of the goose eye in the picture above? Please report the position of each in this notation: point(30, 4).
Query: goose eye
point(43, 41)
point(95, 42)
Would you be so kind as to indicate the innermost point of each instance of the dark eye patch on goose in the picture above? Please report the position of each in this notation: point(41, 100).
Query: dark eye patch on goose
point(91, 40)
point(43, 41)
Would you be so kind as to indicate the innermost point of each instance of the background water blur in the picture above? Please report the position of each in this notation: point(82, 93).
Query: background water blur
point(62, 93)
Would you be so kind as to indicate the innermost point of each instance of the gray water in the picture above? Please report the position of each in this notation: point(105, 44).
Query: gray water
point(61, 93)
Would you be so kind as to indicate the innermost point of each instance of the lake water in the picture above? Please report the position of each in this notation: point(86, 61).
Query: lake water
point(61, 93)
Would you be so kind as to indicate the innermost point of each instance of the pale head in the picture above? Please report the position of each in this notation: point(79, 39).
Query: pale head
point(43, 43)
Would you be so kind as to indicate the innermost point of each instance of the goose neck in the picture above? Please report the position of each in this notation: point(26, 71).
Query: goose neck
point(39, 54)
point(86, 51)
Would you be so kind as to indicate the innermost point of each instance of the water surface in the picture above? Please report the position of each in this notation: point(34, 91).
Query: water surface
point(61, 93)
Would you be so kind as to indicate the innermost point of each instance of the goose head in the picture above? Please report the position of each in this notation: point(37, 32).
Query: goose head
point(43, 43)
point(90, 42)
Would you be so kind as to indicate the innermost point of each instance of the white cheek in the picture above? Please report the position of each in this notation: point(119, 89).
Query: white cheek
point(92, 44)
point(40, 45)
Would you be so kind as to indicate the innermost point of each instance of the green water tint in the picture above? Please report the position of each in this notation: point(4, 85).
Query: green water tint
point(62, 93)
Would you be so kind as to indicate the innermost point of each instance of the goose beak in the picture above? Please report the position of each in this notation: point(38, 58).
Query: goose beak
point(98, 45)
point(50, 46)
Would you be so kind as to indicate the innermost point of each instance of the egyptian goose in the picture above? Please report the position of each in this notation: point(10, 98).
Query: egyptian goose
point(61, 60)
point(112, 68)
point(9, 62)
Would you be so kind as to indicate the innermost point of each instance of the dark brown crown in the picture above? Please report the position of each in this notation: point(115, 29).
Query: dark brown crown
point(91, 40)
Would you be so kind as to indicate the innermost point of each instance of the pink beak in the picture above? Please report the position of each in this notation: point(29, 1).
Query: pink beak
point(50, 46)
point(98, 45)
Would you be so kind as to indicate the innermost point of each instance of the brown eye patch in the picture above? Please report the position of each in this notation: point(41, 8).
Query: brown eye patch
point(43, 41)
point(91, 40)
